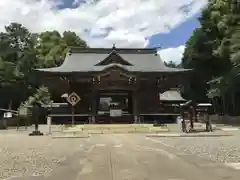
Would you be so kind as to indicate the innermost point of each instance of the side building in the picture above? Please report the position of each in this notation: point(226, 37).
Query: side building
point(122, 79)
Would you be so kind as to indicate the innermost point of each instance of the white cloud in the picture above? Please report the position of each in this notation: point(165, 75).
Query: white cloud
point(172, 54)
point(123, 22)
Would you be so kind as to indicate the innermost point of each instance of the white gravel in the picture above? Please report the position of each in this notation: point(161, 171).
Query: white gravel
point(218, 149)
point(21, 155)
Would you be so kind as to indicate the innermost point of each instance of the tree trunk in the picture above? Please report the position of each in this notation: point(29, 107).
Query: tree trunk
point(10, 105)
point(226, 101)
point(233, 102)
point(214, 105)
point(223, 104)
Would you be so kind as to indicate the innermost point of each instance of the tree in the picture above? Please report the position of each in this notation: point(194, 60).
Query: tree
point(17, 57)
point(21, 52)
point(213, 52)
point(71, 39)
point(171, 64)
point(41, 96)
point(201, 52)
point(53, 46)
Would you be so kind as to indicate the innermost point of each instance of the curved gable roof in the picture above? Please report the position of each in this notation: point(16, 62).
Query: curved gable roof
point(113, 58)
point(94, 59)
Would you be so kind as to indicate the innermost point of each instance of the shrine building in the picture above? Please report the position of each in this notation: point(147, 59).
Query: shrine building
point(115, 85)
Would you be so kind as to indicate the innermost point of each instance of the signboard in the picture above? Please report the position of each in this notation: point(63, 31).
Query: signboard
point(73, 99)
point(7, 115)
point(115, 112)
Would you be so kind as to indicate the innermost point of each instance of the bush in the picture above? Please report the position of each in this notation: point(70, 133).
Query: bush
point(19, 121)
point(2, 125)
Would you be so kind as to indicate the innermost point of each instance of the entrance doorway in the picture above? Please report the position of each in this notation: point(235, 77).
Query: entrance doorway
point(115, 107)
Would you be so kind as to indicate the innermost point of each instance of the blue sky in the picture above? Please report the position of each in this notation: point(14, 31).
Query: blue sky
point(171, 43)
point(177, 36)
point(102, 23)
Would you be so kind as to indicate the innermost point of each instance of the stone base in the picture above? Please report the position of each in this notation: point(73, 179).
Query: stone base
point(36, 133)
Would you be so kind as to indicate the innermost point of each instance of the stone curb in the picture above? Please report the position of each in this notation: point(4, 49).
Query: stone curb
point(70, 136)
point(114, 131)
point(229, 129)
point(191, 135)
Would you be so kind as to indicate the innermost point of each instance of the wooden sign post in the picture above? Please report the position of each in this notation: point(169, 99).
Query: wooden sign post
point(73, 99)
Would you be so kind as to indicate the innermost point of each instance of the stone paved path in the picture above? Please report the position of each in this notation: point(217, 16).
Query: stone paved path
point(135, 157)
point(113, 157)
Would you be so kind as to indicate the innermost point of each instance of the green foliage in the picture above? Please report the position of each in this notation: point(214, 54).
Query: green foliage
point(22, 51)
point(17, 121)
point(52, 47)
point(172, 64)
point(214, 52)
point(235, 46)
point(41, 96)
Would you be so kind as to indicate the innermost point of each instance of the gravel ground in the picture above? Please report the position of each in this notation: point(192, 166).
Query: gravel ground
point(21, 155)
point(218, 149)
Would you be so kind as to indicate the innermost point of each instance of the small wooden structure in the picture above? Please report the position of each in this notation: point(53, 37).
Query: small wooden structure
point(170, 105)
point(170, 101)
point(195, 112)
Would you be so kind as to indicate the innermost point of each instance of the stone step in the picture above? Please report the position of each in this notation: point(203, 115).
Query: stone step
point(109, 130)
point(111, 126)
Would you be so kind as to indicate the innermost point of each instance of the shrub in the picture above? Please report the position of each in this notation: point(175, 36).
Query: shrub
point(41, 96)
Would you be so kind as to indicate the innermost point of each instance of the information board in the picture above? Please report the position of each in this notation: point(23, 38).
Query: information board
point(115, 112)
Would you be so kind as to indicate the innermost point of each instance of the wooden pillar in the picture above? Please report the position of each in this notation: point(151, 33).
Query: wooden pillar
point(135, 107)
point(94, 107)
point(73, 113)
point(191, 116)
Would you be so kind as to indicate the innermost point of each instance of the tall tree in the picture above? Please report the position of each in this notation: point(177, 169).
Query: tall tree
point(71, 39)
point(202, 51)
point(213, 51)
point(17, 57)
point(22, 51)
point(53, 46)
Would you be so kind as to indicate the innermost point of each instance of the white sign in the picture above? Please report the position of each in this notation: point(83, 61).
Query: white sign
point(115, 112)
point(7, 115)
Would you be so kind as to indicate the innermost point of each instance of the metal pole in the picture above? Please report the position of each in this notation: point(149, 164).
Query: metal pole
point(49, 122)
point(73, 117)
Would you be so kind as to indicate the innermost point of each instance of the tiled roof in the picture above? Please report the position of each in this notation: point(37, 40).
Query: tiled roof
point(171, 95)
point(87, 60)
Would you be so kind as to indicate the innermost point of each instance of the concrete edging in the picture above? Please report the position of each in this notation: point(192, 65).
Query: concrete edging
point(188, 135)
point(76, 136)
